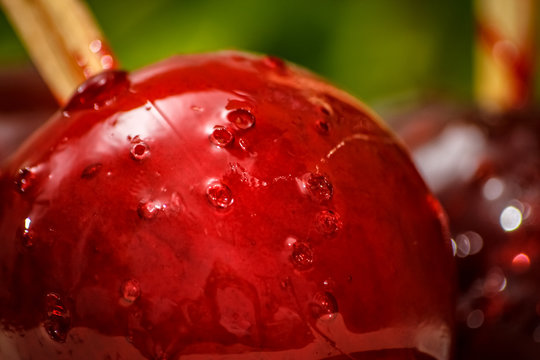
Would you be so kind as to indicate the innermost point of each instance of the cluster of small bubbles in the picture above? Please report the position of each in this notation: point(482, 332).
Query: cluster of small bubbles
point(328, 222)
point(24, 179)
point(219, 195)
point(148, 209)
point(91, 170)
point(27, 235)
point(242, 119)
point(139, 149)
point(221, 136)
point(130, 291)
point(324, 306)
point(317, 186)
point(274, 62)
point(302, 256)
point(58, 319)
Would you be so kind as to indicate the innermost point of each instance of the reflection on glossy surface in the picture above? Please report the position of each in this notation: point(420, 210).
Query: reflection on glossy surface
point(27, 235)
point(510, 218)
point(152, 242)
point(499, 201)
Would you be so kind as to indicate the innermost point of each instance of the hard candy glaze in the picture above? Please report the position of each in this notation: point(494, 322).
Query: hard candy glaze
point(220, 206)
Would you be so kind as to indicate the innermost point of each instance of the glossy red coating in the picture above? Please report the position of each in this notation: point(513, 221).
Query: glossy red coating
point(151, 241)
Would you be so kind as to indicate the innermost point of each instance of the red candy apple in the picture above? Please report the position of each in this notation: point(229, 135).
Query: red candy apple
point(220, 206)
point(493, 203)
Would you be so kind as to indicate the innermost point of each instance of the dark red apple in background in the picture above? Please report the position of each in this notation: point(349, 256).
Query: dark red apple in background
point(220, 206)
point(486, 171)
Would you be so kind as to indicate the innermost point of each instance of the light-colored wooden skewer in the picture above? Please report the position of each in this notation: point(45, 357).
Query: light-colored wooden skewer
point(63, 40)
point(504, 53)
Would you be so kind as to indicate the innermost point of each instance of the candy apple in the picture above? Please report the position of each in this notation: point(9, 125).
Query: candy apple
point(220, 206)
point(492, 201)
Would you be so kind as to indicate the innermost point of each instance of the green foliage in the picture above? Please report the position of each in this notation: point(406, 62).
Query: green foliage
point(374, 48)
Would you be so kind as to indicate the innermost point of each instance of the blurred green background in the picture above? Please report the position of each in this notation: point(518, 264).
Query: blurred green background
point(379, 50)
point(375, 49)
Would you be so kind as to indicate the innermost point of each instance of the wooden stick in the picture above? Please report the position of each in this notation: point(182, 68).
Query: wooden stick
point(63, 41)
point(504, 54)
